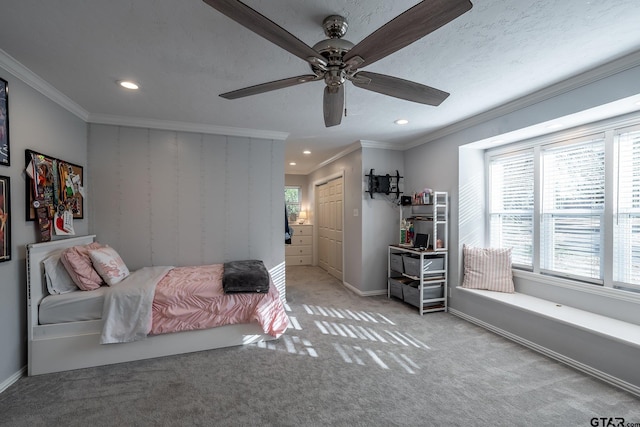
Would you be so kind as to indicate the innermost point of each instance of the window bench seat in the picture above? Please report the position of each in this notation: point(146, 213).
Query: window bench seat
point(624, 332)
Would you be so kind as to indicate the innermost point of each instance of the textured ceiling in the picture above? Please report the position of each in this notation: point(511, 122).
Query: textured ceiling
point(184, 53)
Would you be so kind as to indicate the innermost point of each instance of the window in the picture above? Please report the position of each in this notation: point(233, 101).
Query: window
point(626, 254)
point(511, 205)
point(573, 209)
point(570, 207)
point(292, 200)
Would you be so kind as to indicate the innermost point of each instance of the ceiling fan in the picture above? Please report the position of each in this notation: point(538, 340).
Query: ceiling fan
point(336, 60)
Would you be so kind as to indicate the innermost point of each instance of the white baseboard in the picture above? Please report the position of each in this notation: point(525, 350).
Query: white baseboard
point(12, 379)
point(364, 294)
point(617, 382)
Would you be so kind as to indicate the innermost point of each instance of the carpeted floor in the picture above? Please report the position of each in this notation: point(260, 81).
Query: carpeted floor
point(346, 361)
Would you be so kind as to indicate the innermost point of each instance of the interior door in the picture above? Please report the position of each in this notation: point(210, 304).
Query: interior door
point(330, 204)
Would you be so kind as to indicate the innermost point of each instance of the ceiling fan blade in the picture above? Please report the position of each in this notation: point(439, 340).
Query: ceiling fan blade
point(422, 19)
point(332, 104)
point(263, 26)
point(267, 87)
point(399, 88)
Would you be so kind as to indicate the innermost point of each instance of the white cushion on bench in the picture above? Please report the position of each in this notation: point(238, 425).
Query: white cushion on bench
point(625, 332)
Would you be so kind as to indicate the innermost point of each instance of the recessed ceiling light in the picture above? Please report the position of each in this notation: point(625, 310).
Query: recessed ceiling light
point(401, 121)
point(129, 84)
point(306, 152)
point(292, 163)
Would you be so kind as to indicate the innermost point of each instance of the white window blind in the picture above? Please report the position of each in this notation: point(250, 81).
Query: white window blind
point(511, 205)
point(573, 209)
point(626, 255)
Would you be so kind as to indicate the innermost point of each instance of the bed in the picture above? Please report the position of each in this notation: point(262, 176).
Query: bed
point(65, 331)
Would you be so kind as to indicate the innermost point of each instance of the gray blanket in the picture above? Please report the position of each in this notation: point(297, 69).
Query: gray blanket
point(245, 276)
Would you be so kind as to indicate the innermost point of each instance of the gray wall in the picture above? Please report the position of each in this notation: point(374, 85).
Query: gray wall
point(380, 219)
point(351, 167)
point(39, 124)
point(367, 233)
point(458, 169)
point(178, 198)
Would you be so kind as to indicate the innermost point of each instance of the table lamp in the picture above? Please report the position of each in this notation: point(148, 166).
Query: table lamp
point(302, 216)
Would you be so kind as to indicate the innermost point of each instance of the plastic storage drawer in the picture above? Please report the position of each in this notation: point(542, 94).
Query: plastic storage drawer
point(412, 265)
point(396, 262)
point(411, 293)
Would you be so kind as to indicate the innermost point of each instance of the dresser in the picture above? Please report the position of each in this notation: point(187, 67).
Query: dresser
point(300, 251)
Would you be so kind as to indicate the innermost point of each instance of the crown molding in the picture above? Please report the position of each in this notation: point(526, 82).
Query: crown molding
point(31, 79)
point(383, 145)
point(106, 119)
point(362, 143)
point(34, 81)
point(607, 70)
point(350, 149)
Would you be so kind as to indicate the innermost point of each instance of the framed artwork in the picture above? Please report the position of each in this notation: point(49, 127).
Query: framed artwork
point(5, 218)
point(54, 184)
point(4, 123)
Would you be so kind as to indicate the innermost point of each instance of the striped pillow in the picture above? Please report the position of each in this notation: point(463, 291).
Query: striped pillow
point(488, 268)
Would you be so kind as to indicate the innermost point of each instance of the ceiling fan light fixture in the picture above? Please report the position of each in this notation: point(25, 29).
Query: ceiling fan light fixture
point(128, 84)
point(401, 122)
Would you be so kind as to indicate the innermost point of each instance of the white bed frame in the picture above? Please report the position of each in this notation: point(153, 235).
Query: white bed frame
point(75, 345)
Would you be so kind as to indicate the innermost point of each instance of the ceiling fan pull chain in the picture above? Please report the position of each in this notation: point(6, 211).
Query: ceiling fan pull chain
point(345, 100)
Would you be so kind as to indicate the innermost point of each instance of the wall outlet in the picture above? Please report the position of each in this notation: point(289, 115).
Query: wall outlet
point(355, 212)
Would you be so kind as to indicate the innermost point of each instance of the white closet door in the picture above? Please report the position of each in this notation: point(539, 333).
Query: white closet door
point(330, 204)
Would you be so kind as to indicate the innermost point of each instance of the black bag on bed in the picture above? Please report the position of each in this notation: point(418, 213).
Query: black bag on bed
point(245, 276)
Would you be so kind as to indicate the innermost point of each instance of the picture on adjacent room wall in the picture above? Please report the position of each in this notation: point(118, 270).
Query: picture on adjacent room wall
point(4, 123)
point(5, 220)
point(53, 184)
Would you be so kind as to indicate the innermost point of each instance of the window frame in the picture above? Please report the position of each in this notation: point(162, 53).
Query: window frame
point(616, 210)
point(611, 129)
point(297, 204)
point(490, 211)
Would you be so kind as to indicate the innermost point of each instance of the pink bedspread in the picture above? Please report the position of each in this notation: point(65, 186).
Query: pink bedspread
point(189, 298)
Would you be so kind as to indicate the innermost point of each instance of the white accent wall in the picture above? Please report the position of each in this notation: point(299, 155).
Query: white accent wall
point(177, 198)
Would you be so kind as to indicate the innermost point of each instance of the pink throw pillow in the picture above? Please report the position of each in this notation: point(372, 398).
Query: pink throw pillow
point(488, 268)
point(78, 264)
point(109, 265)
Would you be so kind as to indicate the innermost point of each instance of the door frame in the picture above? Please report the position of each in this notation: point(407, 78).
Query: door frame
point(316, 209)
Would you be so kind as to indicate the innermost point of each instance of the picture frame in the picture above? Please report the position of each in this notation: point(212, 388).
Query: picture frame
point(5, 149)
point(5, 218)
point(54, 195)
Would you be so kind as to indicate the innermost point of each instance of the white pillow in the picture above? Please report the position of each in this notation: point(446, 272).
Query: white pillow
point(488, 268)
point(109, 265)
point(56, 275)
